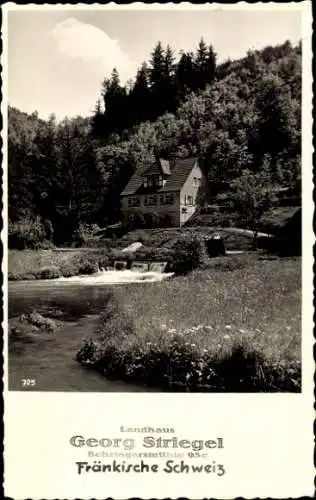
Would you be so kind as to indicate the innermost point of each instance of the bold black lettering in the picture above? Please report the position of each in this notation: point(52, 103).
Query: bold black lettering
point(149, 442)
point(197, 468)
point(169, 466)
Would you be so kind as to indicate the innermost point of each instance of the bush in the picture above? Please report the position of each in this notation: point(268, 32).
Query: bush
point(69, 269)
point(189, 253)
point(39, 321)
point(29, 329)
point(48, 273)
point(84, 264)
point(88, 267)
point(113, 326)
point(85, 233)
point(26, 233)
point(12, 276)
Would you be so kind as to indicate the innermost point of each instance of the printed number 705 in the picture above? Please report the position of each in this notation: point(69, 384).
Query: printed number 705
point(28, 382)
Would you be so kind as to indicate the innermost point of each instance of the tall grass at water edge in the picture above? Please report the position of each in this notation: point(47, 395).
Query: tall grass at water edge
point(232, 329)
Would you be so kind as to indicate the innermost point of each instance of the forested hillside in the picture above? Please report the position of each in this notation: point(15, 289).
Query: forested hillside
point(238, 116)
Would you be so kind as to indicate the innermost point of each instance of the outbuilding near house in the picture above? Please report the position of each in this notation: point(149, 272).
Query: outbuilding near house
point(168, 191)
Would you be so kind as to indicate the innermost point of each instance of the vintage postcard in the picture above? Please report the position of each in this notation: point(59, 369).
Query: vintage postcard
point(157, 209)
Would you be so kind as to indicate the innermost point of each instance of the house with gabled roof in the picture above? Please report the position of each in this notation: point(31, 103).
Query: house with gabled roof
point(168, 190)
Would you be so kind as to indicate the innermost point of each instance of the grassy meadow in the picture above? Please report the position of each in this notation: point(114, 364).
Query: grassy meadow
point(234, 326)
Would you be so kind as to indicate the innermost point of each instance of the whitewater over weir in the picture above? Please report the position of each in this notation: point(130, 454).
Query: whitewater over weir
point(103, 277)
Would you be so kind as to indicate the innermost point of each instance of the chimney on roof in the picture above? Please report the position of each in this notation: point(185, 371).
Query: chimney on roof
point(165, 166)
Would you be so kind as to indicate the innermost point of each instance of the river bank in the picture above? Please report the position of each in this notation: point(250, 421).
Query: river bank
point(182, 248)
point(53, 263)
point(255, 304)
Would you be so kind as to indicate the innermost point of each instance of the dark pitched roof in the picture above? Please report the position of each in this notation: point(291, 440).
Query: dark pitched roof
point(179, 173)
point(135, 181)
point(158, 166)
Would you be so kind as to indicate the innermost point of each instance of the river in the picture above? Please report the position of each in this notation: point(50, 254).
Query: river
point(75, 304)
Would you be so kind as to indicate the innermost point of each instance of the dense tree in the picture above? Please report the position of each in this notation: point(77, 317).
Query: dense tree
point(210, 70)
point(201, 65)
point(140, 95)
point(185, 75)
point(98, 121)
point(115, 100)
point(241, 118)
point(169, 89)
point(252, 196)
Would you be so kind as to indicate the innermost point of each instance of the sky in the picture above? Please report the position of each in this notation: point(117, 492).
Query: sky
point(57, 59)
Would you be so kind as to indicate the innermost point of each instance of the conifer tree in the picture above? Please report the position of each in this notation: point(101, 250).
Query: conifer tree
point(140, 96)
point(201, 62)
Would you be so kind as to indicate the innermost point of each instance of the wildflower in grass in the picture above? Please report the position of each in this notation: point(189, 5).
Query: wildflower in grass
point(226, 337)
point(228, 327)
point(242, 331)
point(288, 327)
point(193, 345)
point(163, 326)
point(172, 330)
point(208, 327)
point(205, 350)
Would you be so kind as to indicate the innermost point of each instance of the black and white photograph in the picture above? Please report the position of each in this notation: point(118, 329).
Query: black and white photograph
point(157, 235)
point(154, 212)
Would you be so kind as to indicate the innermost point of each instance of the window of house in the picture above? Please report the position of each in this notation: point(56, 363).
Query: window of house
point(196, 181)
point(153, 200)
point(150, 201)
point(162, 199)
point(145, 182)
point(189, 200)
point(134, 202)
point(170, 199)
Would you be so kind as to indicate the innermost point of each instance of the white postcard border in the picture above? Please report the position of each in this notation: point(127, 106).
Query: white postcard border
point(268, 438)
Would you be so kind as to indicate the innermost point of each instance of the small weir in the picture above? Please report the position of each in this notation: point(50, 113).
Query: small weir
point(139, 272)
